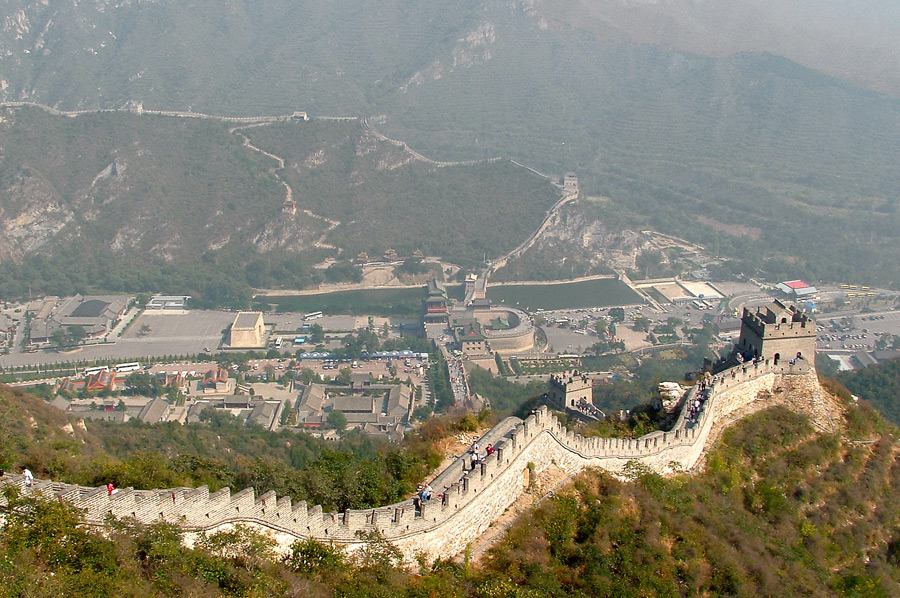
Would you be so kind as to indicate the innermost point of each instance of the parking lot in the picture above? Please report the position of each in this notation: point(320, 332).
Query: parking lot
point(858, 332)
point(157, 334)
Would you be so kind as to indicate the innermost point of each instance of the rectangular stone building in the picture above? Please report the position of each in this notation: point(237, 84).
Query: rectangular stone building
point(248, 331)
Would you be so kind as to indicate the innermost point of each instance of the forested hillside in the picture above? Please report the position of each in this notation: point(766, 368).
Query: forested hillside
point(381, 197)
point(357, 472)
point(879, 384)
point(123, 202)
point(780, 510)
point(750, 154)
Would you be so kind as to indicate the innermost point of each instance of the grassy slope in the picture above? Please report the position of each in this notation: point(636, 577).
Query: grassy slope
point(33, 432)
point(178, 179)
point(780, 511)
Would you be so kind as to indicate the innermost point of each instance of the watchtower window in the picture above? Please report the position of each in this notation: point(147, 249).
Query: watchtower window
point(784, 320)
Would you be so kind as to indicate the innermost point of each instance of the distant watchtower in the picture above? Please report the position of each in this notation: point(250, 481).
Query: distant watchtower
point(573, 393)
point(570, 183)
point(777, 332)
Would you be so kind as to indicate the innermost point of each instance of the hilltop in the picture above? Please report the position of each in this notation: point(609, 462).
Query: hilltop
point(781, 510)
point(862, 35)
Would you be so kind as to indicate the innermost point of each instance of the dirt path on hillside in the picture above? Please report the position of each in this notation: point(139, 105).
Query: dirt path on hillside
point(288, 192)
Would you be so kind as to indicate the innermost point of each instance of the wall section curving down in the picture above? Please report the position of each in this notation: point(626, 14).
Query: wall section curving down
point(473, 499)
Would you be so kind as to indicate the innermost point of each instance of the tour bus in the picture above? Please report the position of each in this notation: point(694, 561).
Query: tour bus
point(279, 342)
point(313, 316)
point(127, 367)
point(96, 370)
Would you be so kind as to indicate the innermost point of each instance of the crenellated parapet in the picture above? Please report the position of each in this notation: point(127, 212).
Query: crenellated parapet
point(778, 332)
point(471, 498)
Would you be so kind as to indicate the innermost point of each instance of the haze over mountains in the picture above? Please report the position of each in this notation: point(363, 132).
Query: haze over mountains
point(850, 39)
point(696, 118)
point(241, 57)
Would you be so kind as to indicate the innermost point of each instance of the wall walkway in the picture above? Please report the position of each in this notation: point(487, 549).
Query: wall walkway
point(473, 499)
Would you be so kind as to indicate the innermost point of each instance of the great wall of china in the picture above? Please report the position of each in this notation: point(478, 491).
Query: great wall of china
point(472, 499)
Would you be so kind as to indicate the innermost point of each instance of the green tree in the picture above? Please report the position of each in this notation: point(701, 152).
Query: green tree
point(311, 557)
point(76, 333)
point(343, 271)
point(52, 533)
point(308, 376)
point(144, 384)
point(422, 413)
point(649, 262)
point(244, 545)
point(59, 338)
point(337, 420)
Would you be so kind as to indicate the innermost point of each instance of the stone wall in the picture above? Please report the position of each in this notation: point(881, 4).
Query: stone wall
point(473, 500)
point(511, 344)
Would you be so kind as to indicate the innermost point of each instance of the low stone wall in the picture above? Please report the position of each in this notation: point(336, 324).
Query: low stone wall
point(473, 500)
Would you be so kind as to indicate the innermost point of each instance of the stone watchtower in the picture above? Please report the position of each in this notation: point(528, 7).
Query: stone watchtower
point(777, 332)
point(571, 392)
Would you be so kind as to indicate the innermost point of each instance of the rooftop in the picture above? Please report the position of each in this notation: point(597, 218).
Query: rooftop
point(246, 319)
point(90, 309)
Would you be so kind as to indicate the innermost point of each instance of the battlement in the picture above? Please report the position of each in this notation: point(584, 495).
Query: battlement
point(471, 498)
point(777, 332)
point(769, 323)
point(572, 392)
